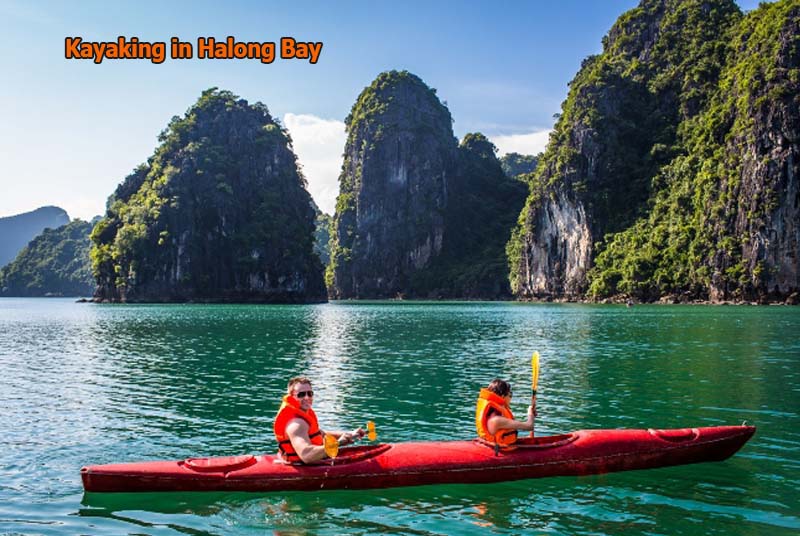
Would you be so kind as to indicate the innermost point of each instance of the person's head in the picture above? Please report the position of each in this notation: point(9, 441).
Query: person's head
point(500, 387)
point(300, 388)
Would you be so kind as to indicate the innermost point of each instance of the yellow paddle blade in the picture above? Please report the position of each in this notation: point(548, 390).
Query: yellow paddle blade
point(331, 445)
point(535, 370)
point(372, 435)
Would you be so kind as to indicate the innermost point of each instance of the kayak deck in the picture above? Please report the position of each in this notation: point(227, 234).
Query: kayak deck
point(584, 452)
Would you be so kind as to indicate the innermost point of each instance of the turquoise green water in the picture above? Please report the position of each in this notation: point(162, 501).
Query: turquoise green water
point(83, 384)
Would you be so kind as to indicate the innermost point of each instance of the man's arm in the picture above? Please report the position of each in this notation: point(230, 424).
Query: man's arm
point(345, 438)
point(297, 430)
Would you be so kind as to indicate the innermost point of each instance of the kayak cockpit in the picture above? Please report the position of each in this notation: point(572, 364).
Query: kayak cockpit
point(679, 435)
point(224, 464)
point(357, 454)
point(528, 443)
point(227, 464)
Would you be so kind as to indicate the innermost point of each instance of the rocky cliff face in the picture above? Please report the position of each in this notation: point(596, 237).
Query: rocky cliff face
point(553, 253)
point(417, 215)
point(761, 198)
point(481, 208)
point(389, 219)
point(646, 188)
point(218, 213)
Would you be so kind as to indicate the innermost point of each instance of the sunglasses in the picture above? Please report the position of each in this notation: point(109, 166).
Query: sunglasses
point(303, 394)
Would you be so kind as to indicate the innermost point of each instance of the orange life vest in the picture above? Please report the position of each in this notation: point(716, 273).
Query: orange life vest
point(487, 401)
point(290, 409)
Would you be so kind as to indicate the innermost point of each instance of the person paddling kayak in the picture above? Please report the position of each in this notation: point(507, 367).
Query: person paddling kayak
point(493, 417)
point(300, 439)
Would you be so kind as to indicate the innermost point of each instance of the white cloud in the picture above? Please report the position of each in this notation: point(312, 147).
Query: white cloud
point(531, 143)
point(319, 144)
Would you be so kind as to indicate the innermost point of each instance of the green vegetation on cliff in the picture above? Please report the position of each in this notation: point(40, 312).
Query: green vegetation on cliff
point(55, 263)
point(694, 236)
point(619, 123)
point(218, 213)
point(668, 169)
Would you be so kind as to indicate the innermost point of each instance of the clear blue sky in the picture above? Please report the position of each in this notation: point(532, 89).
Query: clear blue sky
point(71, 130)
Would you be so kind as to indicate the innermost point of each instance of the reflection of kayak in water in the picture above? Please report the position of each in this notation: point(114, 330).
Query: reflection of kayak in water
point(585, 452)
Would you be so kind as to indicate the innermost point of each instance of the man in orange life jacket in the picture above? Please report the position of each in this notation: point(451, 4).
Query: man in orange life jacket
point(297, 430)
point(493, 417)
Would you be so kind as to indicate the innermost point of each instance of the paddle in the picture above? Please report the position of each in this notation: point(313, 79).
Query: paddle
point(331, 444)
point(534, 378)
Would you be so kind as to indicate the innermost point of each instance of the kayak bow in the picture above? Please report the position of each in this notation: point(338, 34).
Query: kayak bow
point(584, 452)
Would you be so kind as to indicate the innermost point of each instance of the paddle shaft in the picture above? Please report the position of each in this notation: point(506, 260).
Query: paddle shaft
point(534, 383)
point(331, 442)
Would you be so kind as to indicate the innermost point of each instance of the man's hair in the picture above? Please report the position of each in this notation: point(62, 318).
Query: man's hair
point(499, 387)
point(294, 381)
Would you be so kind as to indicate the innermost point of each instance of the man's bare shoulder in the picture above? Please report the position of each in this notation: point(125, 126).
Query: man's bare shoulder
point(295, 426)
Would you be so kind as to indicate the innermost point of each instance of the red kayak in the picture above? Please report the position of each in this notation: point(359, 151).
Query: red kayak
point(585, 452)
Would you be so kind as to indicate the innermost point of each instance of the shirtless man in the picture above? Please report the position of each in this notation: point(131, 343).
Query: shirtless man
point(300, 439)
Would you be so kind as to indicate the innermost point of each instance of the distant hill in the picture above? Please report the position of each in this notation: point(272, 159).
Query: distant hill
point(55, 263)
point(322, 234)
point(515, 164)
point(17, 231)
